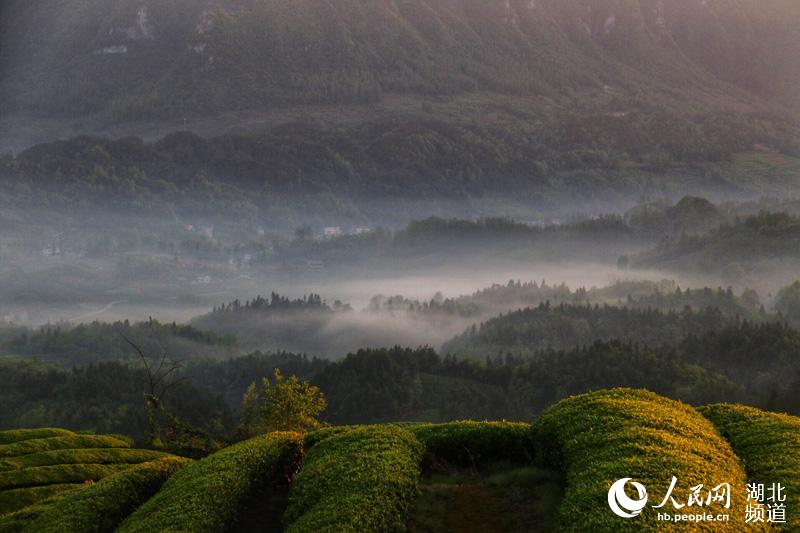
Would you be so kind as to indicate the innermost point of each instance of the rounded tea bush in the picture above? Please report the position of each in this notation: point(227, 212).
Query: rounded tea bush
point(101, 507)
point(471, 443)
point(48, 475)
point(15, 499)
point(29, 446)
point(18, 435)
point(209, 495)
point(100, 456)
point(356, 479)
point(43, 464)
point(601, 437)
point(769, 446)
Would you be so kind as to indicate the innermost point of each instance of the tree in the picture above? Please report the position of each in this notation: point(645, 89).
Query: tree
point(788, 302)
point(285, 405)
point(250, 412)
point(751, 299)
point(158, 372)
point(304, 234)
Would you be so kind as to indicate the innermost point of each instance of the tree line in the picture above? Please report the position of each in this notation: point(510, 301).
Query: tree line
point(753, 363)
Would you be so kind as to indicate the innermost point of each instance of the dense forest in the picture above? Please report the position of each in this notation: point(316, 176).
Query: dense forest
point(74, 345)
point(302, 167)
point(788, 302)
point(737, 362)
point(753, 245)
point(664, 295)
point(517, 317)
point(531, 330)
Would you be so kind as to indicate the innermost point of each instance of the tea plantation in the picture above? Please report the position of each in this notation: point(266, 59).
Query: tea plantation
point(768, 445)
point(553, 474)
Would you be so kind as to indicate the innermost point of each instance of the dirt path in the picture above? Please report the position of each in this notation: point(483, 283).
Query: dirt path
point(472, 508)
point(513, 499)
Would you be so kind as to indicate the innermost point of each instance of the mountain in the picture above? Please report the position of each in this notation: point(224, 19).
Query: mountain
point(463, 97)
point(148, 58)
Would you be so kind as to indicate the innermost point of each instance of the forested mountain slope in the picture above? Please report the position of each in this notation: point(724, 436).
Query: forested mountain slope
point(572, 100)
point(197, 56)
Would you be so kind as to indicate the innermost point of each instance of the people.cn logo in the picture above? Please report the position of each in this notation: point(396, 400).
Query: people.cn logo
point(621, 504)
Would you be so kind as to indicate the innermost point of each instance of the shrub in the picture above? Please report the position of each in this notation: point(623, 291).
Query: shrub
point(17, 435)
point(27, 447)
point(104, 505)
point(475, 443)
point(768, 445)
point(37, 465)
point(17, 521)
point(359, 479)
point(84, 456)
point(314, 437)
point(48, 475)
point(604, 436)
point(14, 499)
point(209, 495)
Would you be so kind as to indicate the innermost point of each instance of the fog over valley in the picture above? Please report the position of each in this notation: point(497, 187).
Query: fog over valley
point(399, 265)
point(421, 284)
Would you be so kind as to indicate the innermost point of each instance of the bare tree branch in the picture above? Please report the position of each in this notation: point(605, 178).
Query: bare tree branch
point(143, 357)
point(158, 382)
point(173, 384)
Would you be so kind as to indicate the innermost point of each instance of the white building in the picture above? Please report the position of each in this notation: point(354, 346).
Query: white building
point(332, 231)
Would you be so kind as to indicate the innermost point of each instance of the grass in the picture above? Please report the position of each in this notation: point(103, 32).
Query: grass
point(27, 447)
point(603, 436)
point(479, 476)
point(17, 435)
point(356, 479)
point(768, 445)
point(81, 456)
point(472, 443)
point(104, 505)
point(210, 495)
point(500, 498)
